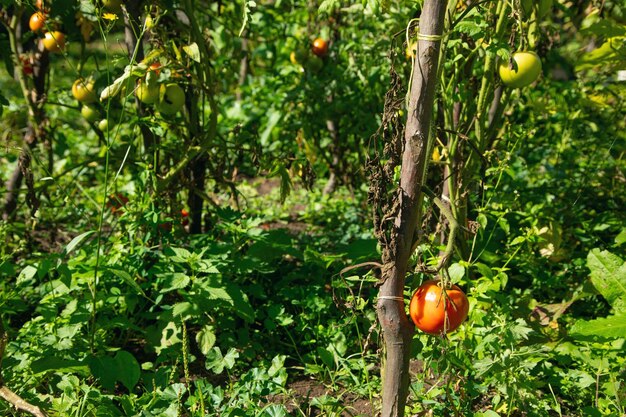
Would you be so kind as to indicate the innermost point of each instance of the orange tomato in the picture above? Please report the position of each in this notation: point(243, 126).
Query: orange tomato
point(428, 312)
point(40, 4)
point(37, 21)
point(156, 67)
point(320, 47)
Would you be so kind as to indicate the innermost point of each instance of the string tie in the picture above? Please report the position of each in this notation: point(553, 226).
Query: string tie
point(432, 38)
point(390, 297)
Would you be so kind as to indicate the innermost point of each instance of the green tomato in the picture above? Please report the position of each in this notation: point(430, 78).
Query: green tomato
point(314, 64)
point(173, 99)
point(90, 113)
point(528, 68)
point(104, 125)
point(299, 56)
point(147, 94)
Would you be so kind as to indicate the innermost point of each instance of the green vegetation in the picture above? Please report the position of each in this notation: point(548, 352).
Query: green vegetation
point(203, 236)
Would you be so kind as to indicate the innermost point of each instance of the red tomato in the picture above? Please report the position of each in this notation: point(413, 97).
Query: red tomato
point(427, 308)
point(27, 66)
point(320, 47)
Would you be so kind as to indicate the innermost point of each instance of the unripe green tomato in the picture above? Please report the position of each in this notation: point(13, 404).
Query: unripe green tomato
point(314, 64)
point(528, 69)
point(173, 99)
point(90, 113)
point(299, 56)
point(104, 125)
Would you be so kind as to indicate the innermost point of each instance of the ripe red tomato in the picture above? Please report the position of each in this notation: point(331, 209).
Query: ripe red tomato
point(320, 47)
point(54, 41)
point(27, 66)
point(184, 214)
point(427, 308)
point(37, 21)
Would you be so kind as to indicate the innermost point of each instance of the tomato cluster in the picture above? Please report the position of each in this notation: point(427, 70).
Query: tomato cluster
point(312, 58)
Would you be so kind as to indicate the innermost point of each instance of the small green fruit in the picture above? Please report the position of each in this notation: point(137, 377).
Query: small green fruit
point(90, 113)
point(173, 99)
point(528, 68)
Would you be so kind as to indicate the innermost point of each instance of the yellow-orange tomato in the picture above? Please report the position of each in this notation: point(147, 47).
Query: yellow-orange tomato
point(54, 41)
point(320, 47)
point(37, 21)
point(39, 4)
point(83, 91)
point(427, 308)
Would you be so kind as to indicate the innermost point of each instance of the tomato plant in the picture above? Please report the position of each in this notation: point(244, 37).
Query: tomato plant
point(54, 41)
point(37, 21)
point(428, 312)
point(525, 71)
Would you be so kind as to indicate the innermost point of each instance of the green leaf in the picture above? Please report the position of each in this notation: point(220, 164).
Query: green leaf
point(128, 369)
point(327, 357)
point(174, 281)
point(231, 358)
point(240, 301)
point(180, 255)
point(193, 51)
point(216, 362)
point(59, 365)
point(104, 369)
point(456, 272)
point(77, 241)
point(328, 6)
point(608, 327)
point(275, 410)
point(274, 117)
point(26, 275)
point(278, 363)
point(620, 239)
point(182, 308)
point(205, 339)
point(125, 276)
point(608, 275)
